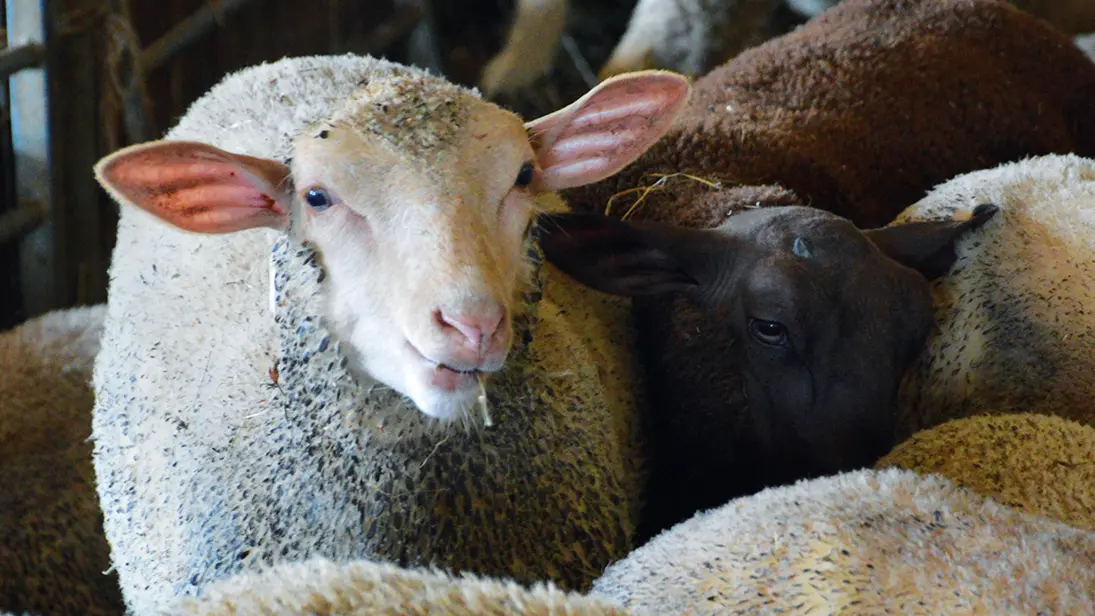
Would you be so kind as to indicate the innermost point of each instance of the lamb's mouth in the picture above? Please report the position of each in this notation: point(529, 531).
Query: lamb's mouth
point(445, 367)
point(441, 366)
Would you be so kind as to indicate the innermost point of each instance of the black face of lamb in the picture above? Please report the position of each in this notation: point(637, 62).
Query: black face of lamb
point(773, 345)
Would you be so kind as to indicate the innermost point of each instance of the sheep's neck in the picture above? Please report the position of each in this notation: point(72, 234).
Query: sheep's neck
point(317, 386)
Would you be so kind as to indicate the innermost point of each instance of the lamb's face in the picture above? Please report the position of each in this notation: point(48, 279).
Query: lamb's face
point(821, 326)
point(417, 194)
point(424, 257)
point(775, 344)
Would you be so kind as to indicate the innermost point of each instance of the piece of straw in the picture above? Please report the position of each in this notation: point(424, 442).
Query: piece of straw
point(659, 184)
point(483, 401)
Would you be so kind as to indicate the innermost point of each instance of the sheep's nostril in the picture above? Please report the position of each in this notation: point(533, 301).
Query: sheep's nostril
point(476, 326)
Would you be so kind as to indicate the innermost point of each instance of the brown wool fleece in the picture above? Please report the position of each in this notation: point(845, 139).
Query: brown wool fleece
point(53, 553)
point(867, 107)
point(1040, 464)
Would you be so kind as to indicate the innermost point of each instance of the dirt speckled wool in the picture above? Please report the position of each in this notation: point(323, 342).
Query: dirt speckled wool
point(1040, 464)
point(866, 542)
point(207, 467)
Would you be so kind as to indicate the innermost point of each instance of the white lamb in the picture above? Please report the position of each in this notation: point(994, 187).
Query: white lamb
point(390, 211)
point(1016, 323)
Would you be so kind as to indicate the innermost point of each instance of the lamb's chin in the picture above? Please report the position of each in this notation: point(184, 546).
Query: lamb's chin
point(443, 404)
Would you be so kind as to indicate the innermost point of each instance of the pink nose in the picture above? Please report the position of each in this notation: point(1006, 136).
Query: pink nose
point(477, 326)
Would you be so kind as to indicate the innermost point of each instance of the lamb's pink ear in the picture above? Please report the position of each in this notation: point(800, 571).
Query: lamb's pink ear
point(197, 187)
point(605, 130)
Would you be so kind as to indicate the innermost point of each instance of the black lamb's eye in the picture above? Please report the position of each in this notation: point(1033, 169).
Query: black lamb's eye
point(524, 176)
point(318, 199)
point(768, 332)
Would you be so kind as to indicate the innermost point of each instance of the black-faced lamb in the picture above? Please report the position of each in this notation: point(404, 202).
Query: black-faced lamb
point(780, 349)
point(1016, 316)
point(844, 115)
point(54, 558)
point(691, 37)
point(329, 334)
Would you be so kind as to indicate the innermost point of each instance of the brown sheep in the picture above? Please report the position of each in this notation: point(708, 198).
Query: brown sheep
point(864, 109)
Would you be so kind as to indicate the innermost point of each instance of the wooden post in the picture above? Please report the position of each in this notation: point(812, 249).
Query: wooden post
point(54, 138)
point(73, 75)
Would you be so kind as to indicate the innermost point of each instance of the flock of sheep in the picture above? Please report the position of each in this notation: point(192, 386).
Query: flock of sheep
point(811, 331)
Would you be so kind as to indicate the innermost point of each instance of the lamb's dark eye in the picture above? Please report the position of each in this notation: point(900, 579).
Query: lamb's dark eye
point(524, 176)
point(768, 332)
point(318, 199)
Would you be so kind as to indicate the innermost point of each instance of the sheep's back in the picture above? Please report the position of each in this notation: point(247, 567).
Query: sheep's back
point(1036, 463)
point(1016, 323)
point(869, 542)
point(868, 106)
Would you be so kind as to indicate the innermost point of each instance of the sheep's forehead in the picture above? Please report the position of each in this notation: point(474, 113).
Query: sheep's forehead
point(418, 116)
point(821, 237)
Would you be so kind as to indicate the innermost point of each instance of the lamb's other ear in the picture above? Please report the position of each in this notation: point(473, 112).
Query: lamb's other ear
point(928, 246)
point(625, 258)
point(197, 187)
point(608, 128)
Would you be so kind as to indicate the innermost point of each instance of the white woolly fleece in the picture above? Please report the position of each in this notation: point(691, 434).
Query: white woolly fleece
point(363, 588)
point(1016, 313)
point(207, 468)
point(867, 542)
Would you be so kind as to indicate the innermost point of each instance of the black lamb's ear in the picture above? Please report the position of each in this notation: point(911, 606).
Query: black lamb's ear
point(928, 246)
point(620, 257)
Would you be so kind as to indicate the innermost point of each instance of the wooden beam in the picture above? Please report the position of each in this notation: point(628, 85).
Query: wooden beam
point(20, 221)
point(14, 59)
point(197, 25)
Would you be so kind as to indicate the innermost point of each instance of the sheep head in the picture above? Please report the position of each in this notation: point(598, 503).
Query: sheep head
point(779, 338)
point(417, 195)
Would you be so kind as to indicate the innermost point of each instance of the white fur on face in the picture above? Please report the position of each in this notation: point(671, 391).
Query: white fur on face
point(409, 238)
